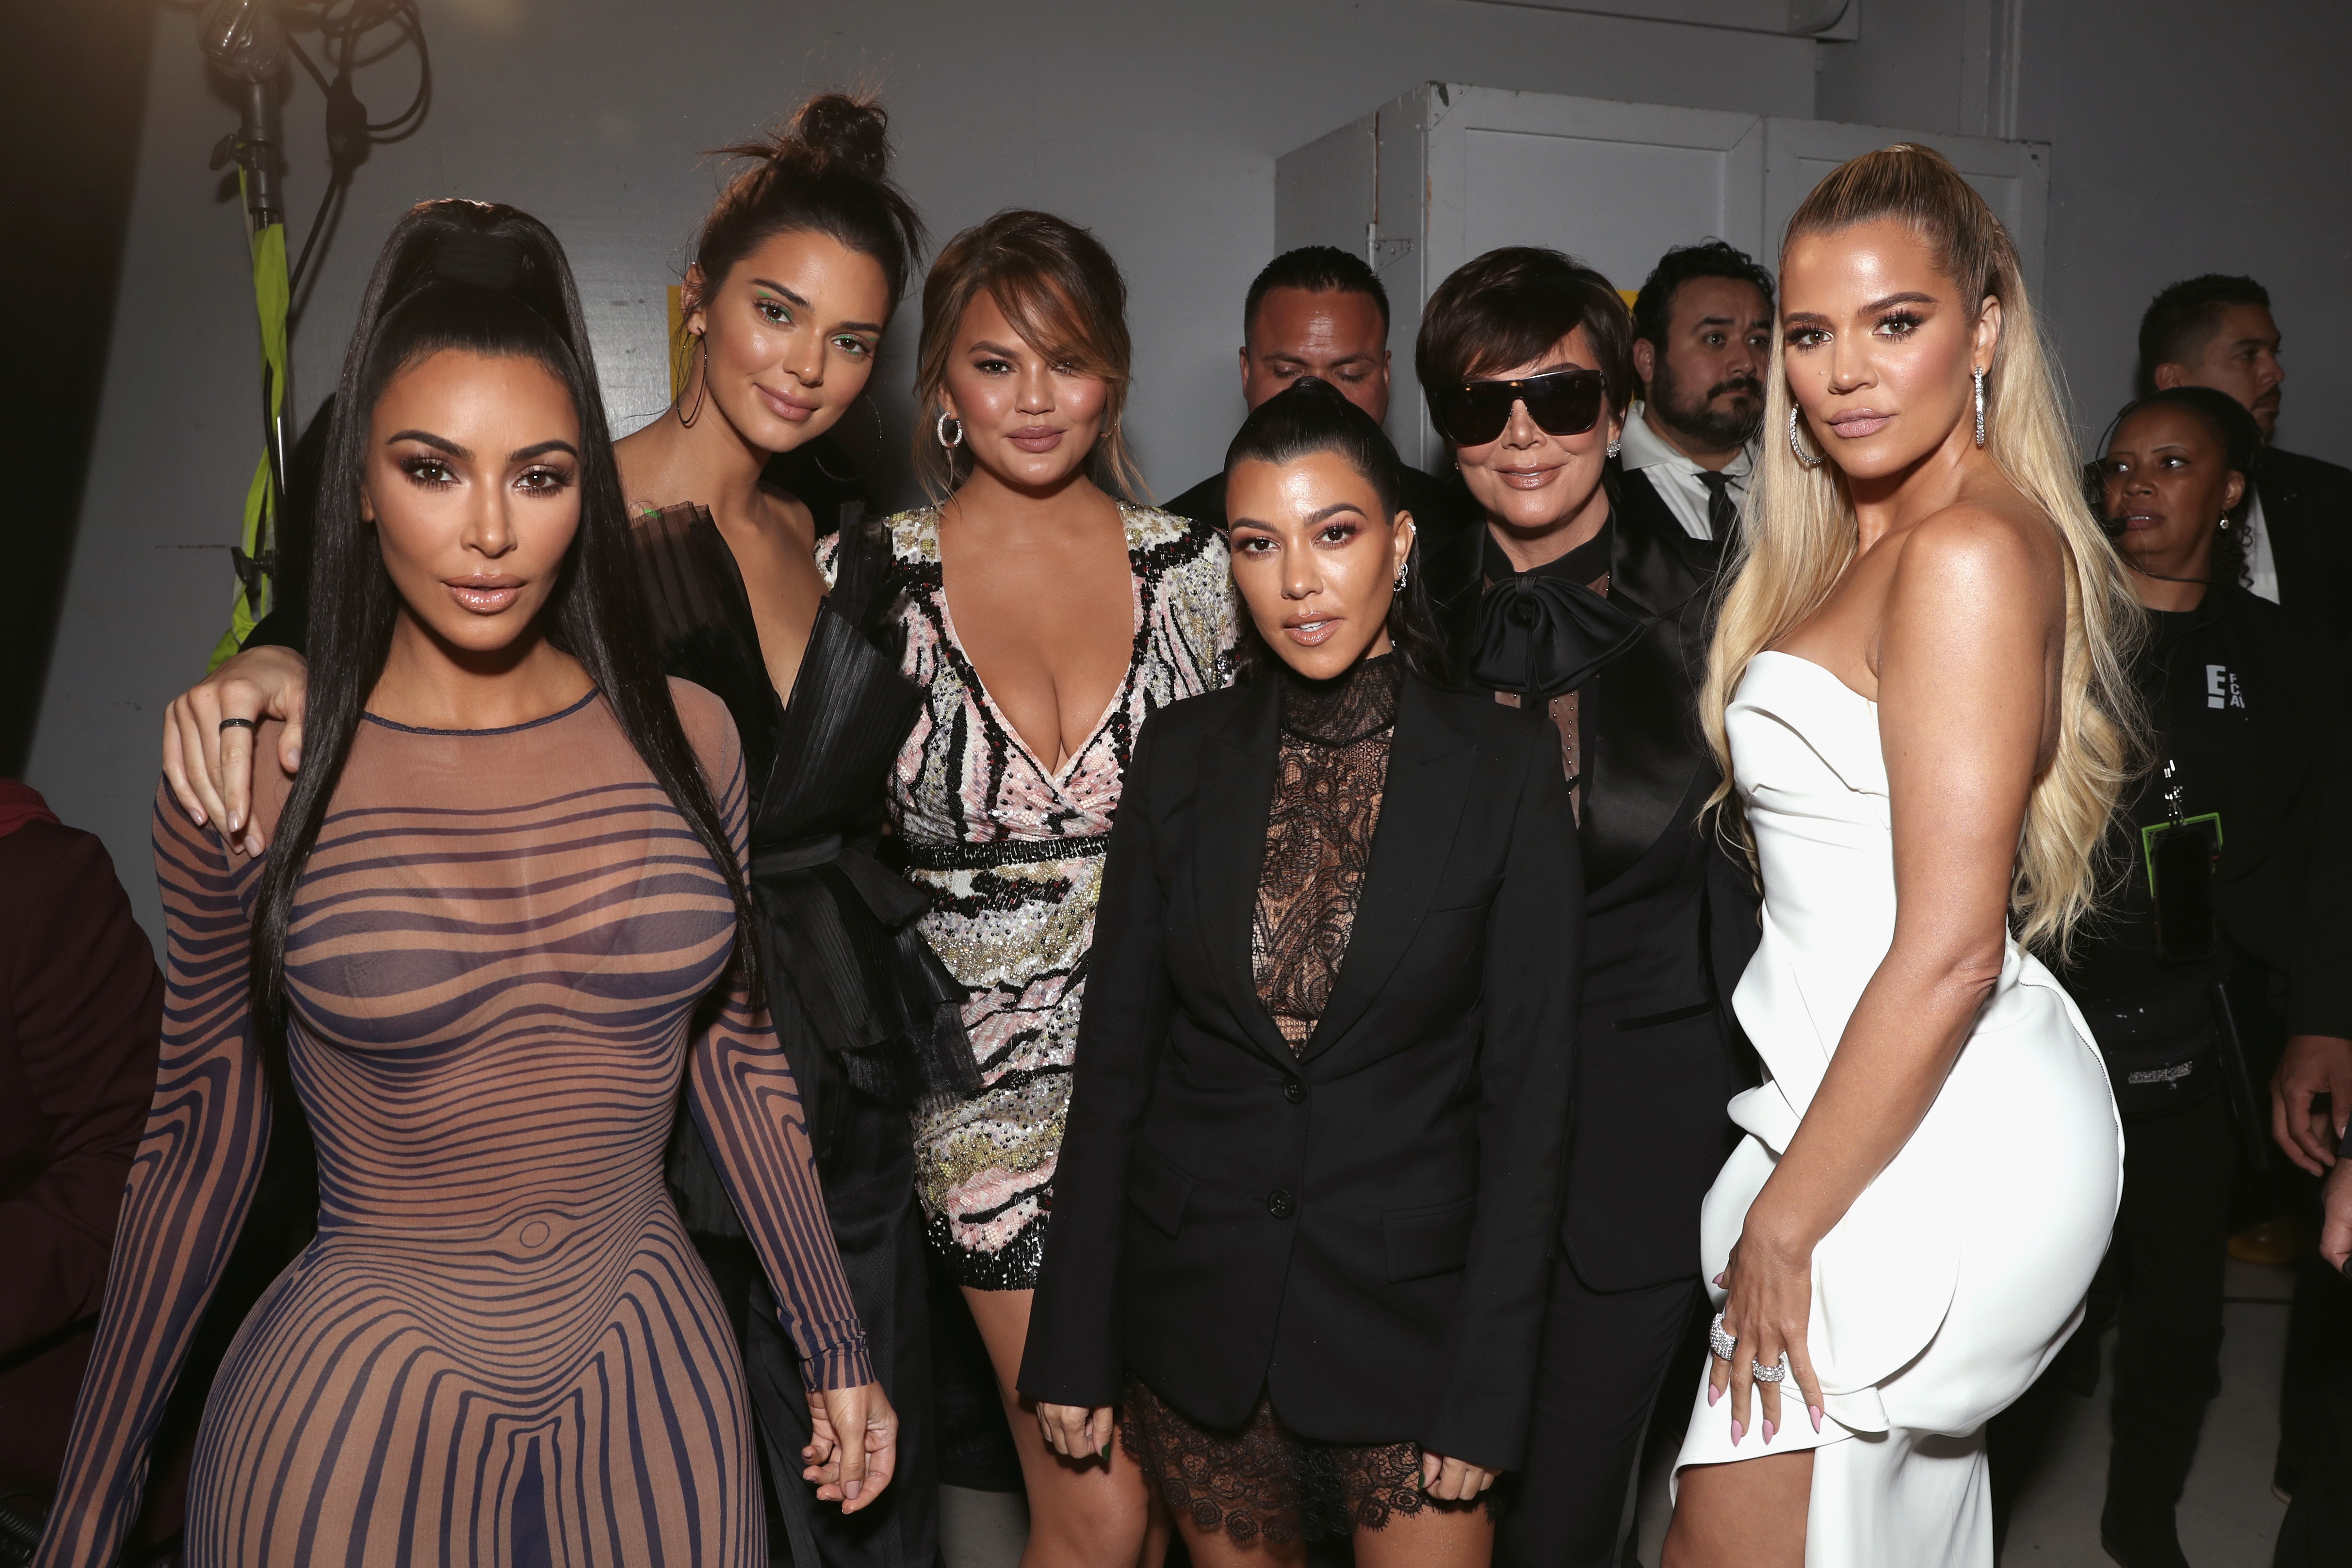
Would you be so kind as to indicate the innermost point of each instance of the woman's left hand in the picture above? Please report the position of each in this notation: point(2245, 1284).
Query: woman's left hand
point(1080, 1432)
point(846, 1470)
point(1453, 1481)
point(1771, 1304)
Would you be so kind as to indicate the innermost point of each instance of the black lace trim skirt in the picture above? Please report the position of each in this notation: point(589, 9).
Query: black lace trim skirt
point(1264, 1482)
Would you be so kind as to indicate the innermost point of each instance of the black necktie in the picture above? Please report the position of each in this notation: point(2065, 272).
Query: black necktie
point(1722, 511)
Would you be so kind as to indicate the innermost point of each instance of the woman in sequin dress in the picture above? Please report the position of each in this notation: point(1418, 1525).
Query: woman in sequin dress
point(1045, 622)
point(1323, 1081)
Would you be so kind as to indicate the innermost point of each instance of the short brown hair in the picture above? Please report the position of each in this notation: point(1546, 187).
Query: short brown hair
point(1063, 293)
point(1509, 306)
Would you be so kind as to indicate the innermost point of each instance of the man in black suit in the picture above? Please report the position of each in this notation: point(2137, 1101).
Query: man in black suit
point(2217, 331)
point(1670, 917)
point(1702, 337)
point(1319, 312)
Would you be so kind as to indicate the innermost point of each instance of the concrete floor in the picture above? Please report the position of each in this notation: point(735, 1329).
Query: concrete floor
point(2228, 1518)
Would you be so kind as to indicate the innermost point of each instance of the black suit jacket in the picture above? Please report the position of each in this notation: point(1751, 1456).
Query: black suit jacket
point(1359, 1229)
point(2307, 507)
point(1670, 915)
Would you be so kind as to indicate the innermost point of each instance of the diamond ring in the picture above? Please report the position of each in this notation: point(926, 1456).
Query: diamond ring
point(1764, 1373)
point(1721, 1340)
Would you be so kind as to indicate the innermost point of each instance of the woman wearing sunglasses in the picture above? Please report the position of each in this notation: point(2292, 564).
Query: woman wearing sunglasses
point(1595, 618)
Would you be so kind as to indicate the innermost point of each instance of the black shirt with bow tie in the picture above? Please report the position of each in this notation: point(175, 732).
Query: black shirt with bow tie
point(1616, 633)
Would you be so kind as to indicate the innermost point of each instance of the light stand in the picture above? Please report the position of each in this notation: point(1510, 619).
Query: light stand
point(245, 40)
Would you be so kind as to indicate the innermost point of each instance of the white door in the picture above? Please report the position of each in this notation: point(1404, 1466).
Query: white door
point(1447, 171)
point(2013, 177)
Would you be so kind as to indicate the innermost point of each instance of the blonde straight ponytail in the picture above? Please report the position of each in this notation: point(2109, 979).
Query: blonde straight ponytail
point(1800, 535)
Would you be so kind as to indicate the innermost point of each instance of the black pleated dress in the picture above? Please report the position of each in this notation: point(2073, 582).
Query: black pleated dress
point(865, 1011)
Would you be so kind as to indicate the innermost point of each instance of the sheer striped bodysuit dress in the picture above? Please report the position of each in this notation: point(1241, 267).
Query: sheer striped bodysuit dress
point(508, 969)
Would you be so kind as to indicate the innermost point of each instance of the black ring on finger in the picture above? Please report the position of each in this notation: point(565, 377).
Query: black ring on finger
point(229, 724)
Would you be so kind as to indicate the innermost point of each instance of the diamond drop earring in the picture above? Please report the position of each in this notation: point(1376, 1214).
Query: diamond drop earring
point(1979, 376)
point(1796, 446)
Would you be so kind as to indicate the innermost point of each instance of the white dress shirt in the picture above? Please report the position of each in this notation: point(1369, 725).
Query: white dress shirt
point(2262, 564)
point(1674, 477)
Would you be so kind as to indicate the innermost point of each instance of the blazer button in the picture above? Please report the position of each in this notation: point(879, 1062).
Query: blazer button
point(1293, 1090)
point(1278, 1204)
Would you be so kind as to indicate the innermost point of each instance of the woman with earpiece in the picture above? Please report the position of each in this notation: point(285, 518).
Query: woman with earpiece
point(797, 270)
point(2235, 852)
point(1920, 694)
point(1300, 1247)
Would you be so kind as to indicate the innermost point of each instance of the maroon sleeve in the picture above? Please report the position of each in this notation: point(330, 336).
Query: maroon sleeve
point(87, 1005)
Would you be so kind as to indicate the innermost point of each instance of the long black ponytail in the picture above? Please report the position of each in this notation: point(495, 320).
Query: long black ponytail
point(487, 279)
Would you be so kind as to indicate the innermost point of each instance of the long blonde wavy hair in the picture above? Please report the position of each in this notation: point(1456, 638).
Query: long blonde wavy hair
point(1800, 535)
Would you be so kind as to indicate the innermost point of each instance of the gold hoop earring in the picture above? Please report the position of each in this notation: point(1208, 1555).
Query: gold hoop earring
point(702, 387)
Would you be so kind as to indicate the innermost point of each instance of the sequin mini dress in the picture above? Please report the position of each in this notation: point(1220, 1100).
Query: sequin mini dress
point(1012, 850)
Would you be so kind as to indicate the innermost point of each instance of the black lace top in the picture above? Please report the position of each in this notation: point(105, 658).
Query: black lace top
point(1263, 1483)
point(1327, 784)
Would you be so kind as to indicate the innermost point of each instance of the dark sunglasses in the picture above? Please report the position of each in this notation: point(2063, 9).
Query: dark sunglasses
point(1565, 402)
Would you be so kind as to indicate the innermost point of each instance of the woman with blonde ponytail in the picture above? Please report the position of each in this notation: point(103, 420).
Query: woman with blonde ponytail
point(1918, 692)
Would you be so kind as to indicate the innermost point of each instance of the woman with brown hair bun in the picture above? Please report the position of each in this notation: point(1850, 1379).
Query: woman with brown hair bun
point(1047, 615)
point(1920, 695)
point(796, 271)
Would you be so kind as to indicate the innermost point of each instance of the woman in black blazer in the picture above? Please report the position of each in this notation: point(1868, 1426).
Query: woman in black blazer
point(1302, 1233)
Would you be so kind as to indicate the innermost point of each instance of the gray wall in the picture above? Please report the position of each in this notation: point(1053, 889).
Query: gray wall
point(2185, 137)
point(1157, 125)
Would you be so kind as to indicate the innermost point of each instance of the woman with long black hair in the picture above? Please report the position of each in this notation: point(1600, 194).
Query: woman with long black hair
point(1303, 1206)
point(495, 927)
point(797, 270)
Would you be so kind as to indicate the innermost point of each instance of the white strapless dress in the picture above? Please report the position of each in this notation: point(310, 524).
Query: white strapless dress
point(1960, 1271)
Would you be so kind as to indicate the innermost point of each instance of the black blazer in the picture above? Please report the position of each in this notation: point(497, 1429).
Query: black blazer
point(1670, 916)
point(2307, 507)
point(1360, 1228)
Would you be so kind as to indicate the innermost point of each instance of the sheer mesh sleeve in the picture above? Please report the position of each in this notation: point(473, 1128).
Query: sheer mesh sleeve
point(190, 1185)
point(749, 1110)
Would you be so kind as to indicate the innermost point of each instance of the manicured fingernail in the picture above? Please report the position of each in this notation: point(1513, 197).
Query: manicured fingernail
point(1718, 1279)
point(853, 1488)
point(1817, 1415)
point(1737, 1431)
point(1712, 1394)
point(236, 820)
point(197, 818)
point(298, 756)
point(1769, 1428)
point(1105, 1452)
